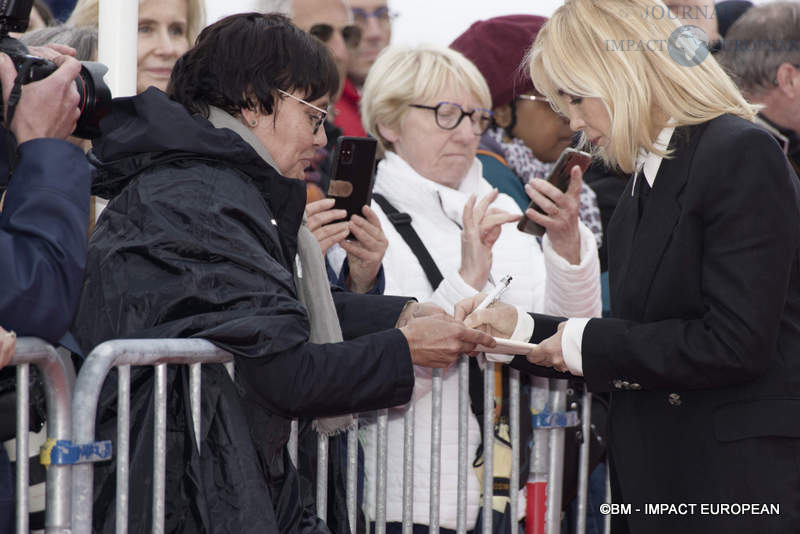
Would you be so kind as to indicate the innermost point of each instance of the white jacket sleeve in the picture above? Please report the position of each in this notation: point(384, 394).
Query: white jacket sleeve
point(573, 290)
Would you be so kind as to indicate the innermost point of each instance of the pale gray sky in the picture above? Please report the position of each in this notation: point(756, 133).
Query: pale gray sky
point(421, 21)
point(425, 21)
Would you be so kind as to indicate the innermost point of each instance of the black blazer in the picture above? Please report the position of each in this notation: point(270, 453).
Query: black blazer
point(702, 355)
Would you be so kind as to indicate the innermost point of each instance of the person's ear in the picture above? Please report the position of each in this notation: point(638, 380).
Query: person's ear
point(787, 78)
point(502, 115)
point(390, 133)
point(250, 117)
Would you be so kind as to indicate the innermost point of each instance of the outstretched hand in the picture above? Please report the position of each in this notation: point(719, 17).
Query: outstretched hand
point(438, 341)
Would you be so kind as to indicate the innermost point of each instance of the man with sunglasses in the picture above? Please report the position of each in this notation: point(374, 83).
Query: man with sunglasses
point(330, 22)
point(374, 19)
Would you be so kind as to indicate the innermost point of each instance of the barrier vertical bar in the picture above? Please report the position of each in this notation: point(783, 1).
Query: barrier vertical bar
point(583, 462)
point(607, 517)
point(436, 451)
point(513, 423)
point(292, 445)
point(408, 468)
point(555, 479)
point(155, 352)
point(488, 446)
point(381, 458)
point(352, 476)
point(58, 377)
point(23, 373)
point(195, 397)
point(160, 448)
point(322, 477)
point(463, 444)
point(123, 446)
point(537, 478)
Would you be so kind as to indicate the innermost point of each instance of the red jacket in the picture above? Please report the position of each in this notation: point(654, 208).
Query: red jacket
point(347, 116)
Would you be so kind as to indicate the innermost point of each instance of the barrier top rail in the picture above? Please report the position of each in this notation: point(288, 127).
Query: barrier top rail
point(90, 382)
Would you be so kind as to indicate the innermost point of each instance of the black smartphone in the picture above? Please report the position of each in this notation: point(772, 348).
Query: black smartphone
point(353, 173)
point(559, 176)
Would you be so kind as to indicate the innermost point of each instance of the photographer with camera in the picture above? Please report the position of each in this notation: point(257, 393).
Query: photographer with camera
point(45, 214)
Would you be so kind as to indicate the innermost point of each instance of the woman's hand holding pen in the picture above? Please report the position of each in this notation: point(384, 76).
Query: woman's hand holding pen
point(497, 320)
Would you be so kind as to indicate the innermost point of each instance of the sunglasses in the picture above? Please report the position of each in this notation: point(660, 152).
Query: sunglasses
point(351, 34)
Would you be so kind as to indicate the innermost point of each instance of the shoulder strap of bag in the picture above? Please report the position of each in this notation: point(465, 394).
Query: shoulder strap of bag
point(402, 223)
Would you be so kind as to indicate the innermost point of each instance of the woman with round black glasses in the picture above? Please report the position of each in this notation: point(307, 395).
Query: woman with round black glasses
point(428, 108)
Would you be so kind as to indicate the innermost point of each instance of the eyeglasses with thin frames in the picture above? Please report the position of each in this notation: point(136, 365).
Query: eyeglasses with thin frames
point(318, 121)
point(449, 115)
point(381, 14)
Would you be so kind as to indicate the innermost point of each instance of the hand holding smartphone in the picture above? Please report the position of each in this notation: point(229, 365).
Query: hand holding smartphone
point(353, 174)
point(559, 176)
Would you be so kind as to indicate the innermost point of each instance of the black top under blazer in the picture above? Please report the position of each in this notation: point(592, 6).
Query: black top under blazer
point(702, 353)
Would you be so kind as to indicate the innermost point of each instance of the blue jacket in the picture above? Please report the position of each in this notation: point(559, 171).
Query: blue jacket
point(43, 238)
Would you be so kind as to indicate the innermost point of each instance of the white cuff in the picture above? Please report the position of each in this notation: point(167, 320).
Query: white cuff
point(571, 341)
point(522, 332)
point(524, 329)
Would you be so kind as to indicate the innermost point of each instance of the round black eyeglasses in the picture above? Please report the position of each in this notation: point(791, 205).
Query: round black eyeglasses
point(449, 115)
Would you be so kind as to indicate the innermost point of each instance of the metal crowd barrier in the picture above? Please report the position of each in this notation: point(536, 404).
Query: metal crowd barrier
point(58, 377)
point(68, 461)
point(550, 419)
point(122, 354)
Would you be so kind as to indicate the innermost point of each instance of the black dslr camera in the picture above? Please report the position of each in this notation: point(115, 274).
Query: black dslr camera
point(95, 96)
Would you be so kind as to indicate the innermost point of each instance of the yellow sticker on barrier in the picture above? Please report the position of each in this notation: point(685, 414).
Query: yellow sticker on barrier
point(45, 451)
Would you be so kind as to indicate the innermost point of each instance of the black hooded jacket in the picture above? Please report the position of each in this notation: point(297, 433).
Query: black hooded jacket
point(198, 240)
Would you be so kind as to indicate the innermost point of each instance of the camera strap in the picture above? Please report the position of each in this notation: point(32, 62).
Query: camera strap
point(11, 109)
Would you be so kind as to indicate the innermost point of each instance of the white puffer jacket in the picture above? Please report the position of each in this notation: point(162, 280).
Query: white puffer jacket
point(542, 282)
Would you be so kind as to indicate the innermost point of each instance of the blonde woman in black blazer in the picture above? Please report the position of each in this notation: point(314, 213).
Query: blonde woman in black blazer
point(702, 355)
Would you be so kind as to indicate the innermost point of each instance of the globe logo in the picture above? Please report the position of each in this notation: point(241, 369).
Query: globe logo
point(688, 46)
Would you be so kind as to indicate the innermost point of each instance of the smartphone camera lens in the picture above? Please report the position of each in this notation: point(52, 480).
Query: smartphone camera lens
point(346, 152)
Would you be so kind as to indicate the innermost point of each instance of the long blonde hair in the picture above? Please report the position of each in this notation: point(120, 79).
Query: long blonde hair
point(86, 13)
point(617, 50)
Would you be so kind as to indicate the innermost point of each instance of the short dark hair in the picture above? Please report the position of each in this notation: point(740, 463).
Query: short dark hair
point(241, 60)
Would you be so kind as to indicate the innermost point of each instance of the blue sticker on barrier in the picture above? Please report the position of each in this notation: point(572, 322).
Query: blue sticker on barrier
point(555, 420)
point(64, 452)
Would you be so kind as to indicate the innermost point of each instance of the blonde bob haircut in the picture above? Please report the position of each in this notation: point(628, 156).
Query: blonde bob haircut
point(87, 12)
point(577, 54)
point(402, 76)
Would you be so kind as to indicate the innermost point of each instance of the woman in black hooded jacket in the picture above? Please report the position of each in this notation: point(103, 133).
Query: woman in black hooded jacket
point(200, 239)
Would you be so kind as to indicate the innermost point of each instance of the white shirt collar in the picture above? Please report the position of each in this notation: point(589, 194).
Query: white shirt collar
point(650, 162)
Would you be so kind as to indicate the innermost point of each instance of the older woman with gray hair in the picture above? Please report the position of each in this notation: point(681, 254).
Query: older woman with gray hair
point(428, 108)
